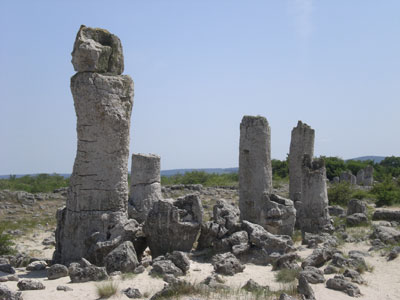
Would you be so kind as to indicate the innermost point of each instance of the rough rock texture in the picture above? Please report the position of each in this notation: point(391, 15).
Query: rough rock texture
point(173, 224)
point(387, 215)
point(313, 215)
point(180, 259)
point(7, 294)
point(84, 271)
point(360, 177)
point(339, 283)
point(387, 235)
point(30, 284)
point(97, 50)
point(37, 265)
point(336, 210)
point(132, 293)
point(98, 193)
point(302, 142)
point(123, 258)
point(347, 176)
point(365, 176)
point(313, 275)
point(356, 206)
point(227, 264)
point(163, 266)
point(318, 258)
point(305, 289)
point(145, 185)
point(356, 219)
point(255, 171)
point(57, 271)
point(7, 268)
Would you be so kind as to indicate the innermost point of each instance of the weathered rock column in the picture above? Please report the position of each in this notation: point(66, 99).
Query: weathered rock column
point(302, 142)
point(255, 170)
point(145, 185)
point(98, 193)
point(313, 213)
point(368, 175)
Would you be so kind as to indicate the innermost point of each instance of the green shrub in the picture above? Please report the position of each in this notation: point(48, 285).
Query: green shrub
point(286, 275)
point(107, 289)
point(340, 193)
point(386, 192)
point(6, 244)
point(34, 184)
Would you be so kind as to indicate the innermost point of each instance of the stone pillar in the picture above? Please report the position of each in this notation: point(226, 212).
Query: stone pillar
point(145, 185)
point(368, 176)
point(313, 213)
point(98, 193)
point(347, 176)
point(302, 142)
point(255, 170)
point(360, 177)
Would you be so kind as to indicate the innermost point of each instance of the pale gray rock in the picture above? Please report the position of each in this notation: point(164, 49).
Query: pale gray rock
point(38, 265)
point(368, 176)
point(336, 210)
point(356, 206)
point(85, 272)
point(64, 288)
point(313, 215)
point(145, 185)
point(98, 193)
point(123, 258)
point(286, 297)
point(164, 266)
point(132, 293)
point(354, 276)
point(215, 281)
point(180, 259)
point(97, 50)
point(318, 258)
point(227, 264)
point(7, 294)
point(30, 284)
point(387, 235)
point(57, 271)
point(347, 176)
point(394, 253)
point(313, 275)
point(173, 224)
point(7, 268)
point(339, 283)
point(305, 289)
point(356, 219)
point(387, 215)
point(302, 142)
point(255, 171)
point(227, 216)
point(252, 286)
point(287, 261)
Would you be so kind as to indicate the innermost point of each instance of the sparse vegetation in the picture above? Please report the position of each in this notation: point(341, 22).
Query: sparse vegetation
point(286, 275)
point(387, 192)
point(34, 184)
point(6, 244)
point(106, 289)
point(201, 177)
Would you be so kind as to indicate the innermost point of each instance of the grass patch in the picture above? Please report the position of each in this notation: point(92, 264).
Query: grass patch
point(107, 289)
point(34, 184)
point(297, 237)
point(128, 276)
point(286, 275)
point(27, 224)
point(6, 244)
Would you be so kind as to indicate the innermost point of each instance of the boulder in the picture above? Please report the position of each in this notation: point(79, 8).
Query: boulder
point(387, 215)
point(313, 275)
point(84, 272)
point(7, 294)
point(394, 253)
point(38, 265)
point(30, 284)
point(339, 283)
point(180, 260)
point(252, 286)
point(57, 271)
point(173, 225)
point(354, 276)
point(387, 235)
point(356, 219)
point(132, 293)
point(215, 281)
point(318, 258)
point(163, 266)
point(123, 258)
point(287, 261)
point(336, 210)
point(227, 264)
point(64, 288)
point(305, 289)
point(7, 268)
point(356, 206)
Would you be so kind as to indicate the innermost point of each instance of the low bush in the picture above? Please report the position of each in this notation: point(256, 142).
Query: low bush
point(386, 192)
point(286, 275)
point(6, 244)
point(340, 193)
point(107, 289)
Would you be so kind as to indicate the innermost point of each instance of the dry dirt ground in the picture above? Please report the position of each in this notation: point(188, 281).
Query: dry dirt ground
point(382, 283)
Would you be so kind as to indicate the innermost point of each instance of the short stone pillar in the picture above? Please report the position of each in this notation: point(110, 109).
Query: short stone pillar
point(368, 176)
point(302, 142)
point(145, 185)
point(347, 176)
point(255, 170)
point(313, 213)
point(360, 177)
point(98, 193)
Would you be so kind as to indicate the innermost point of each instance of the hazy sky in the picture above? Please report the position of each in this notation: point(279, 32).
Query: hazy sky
point(198, 67)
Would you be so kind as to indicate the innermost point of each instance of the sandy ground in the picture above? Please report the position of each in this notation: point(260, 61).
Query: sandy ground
point(382, 283)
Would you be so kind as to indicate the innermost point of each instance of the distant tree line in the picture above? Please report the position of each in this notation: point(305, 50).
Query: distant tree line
point(34, 184)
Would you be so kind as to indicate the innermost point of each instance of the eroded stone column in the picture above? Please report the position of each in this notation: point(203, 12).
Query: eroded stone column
point(255, 170)
point(145, 185)
point(98, 193)
point(313, 213)
point(302, 142)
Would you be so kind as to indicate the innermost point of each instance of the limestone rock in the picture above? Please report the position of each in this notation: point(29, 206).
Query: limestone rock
point(354, 276)
point(255, 171)
point(394, 253)
point(286, 261)
point(226, 215)
point(318, 258)
point(173, 225)
point(180, 260)
point(7, 268)
point(313, 215)
point(7, 294)
point(86, 272)
point(304, 288)
point(356, 206)
point(164, 266)
point(227, 264)
point(356, 219)
point(132, 293)
point(145, 185)
point(339, 283)
point(30, 284)
point(97, 50)
point(64, 288)
point(313, 275)
point(387, 235)
point(123, 258)
point(347, 176)
point(387, 215)
point(252, 286)
point(215, 281)
point(98, 193)
point(302, 142)
point(57, 271)
point(38, 265)
point(336, 210)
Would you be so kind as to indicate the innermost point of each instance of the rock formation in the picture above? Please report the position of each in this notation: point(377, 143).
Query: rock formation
point(365, 176)
point(145, 185)
point(255, 171)
point(98, 193)
point(173, 224)
point(302, 142)
point(313, 213)
point(347, 176)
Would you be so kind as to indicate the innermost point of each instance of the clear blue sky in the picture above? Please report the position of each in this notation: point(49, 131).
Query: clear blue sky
point(198, 67)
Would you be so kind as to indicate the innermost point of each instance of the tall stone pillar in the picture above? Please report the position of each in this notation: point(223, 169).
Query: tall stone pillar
point(255, 170)
point(302, 142)
point(98, 193)
point(313, 214)
point(145, 185)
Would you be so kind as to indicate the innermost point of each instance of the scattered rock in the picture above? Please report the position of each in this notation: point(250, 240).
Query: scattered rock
point(318, 258)
point(79, 273)
point(356, 219)
point(354, 275)
point(227, 264)
point(339, 283)
point(164, 266)
point(57, 271)
point(215, 281)
point(305, 289)
point(331, 270)
point(356, 206)
point(7, 294)
point(336, 210)
point(387, 215)
point(387, 235)
point(252, 286)
point(30, 284)
point(394, 253)
point(38, 265)
point(123, 258)
point(180, 260)
point(132, 293)
point(64, 288)
point(139, 269)
point(313, 275)
point(7, 268)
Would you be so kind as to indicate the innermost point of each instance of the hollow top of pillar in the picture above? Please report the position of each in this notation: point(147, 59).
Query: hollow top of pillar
point(252, 121)
point(97, 50)
point(304, 126)
point(145, 156)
